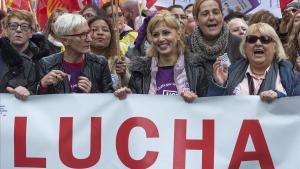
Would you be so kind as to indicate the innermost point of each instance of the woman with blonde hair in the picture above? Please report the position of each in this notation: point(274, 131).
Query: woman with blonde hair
point(264, 70)
point(167, 69)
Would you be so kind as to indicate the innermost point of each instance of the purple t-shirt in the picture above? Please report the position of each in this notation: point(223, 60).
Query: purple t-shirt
point(73, 70)
point(165, 81)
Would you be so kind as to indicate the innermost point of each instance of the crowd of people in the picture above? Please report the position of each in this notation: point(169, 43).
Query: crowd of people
point(193, 52)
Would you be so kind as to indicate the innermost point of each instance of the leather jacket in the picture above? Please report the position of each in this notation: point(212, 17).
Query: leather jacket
point(139, 82)
point(95, 69)
point(16, 70)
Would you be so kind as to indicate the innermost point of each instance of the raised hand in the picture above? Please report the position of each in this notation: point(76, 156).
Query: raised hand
point(220, 72)
point(121, 66)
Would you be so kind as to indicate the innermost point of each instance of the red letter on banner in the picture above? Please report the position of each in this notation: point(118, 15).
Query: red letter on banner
point(20, 146)
point(123, 138)
point(66, 144)
point(181, 144)
point(251, 128)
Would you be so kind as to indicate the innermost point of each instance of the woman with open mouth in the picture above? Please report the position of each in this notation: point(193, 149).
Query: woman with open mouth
point(167, 69)
point(212, 38)
point(264, 71)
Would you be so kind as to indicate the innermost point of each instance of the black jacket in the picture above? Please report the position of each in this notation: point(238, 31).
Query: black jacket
point(95, 69)
point(17, 70)
point(38, 47)
point(141, 75)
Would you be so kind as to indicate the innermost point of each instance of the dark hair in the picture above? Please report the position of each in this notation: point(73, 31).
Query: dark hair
point(110, 51)
point(2, 14)
point(265, 17)
point(174, 6)
point(235, 15)
point(94, 7)
point(106, 5)
point(189, 5)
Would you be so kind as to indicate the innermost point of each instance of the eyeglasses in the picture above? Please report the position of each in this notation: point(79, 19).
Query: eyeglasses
point(82, 35)
point(294, 10)
point(120, 14)
point(263, 39)
point(14, 26)
point(88, 15)
point(180, 16)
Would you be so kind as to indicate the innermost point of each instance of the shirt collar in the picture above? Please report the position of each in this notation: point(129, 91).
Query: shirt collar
point(256, 76)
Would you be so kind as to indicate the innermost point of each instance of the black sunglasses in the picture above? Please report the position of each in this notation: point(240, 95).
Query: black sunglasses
point(263, 39)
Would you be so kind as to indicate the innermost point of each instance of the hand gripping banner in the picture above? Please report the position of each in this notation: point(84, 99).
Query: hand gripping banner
point(145, 131)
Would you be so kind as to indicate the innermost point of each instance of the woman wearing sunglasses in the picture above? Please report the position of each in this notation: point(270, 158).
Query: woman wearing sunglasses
point(264, 70)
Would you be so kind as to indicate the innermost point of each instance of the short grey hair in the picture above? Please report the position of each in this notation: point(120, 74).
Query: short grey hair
point(67, 24)
point(264, 29)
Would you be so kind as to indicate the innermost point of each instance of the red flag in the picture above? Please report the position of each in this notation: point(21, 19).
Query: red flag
point(284, 3)
point(41, 12)
point(19, 4)
point(45, 8)
point(54, 4)
point(150, 3)
point(77, 6)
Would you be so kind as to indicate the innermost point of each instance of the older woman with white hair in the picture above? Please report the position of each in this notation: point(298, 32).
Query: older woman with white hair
point(75, 70)
point(264, 70)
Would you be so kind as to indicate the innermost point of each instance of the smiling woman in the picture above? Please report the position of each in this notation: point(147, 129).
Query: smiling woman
point(212, 37)
point(168, 69)
point(104, 43)
point(264, 71)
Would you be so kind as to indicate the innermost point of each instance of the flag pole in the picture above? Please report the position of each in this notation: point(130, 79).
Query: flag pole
point(34, 15)
point(115, 18)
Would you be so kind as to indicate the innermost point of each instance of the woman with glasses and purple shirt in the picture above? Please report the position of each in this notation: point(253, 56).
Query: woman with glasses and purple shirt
point(263, 71)
point(75, 70)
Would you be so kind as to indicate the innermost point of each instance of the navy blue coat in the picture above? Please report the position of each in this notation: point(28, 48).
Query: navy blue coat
point(290, 80)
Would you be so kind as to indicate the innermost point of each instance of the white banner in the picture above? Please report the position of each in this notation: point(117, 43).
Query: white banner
point(144, 131)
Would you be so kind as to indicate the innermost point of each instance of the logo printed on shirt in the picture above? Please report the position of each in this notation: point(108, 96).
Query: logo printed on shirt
point(170, 92)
